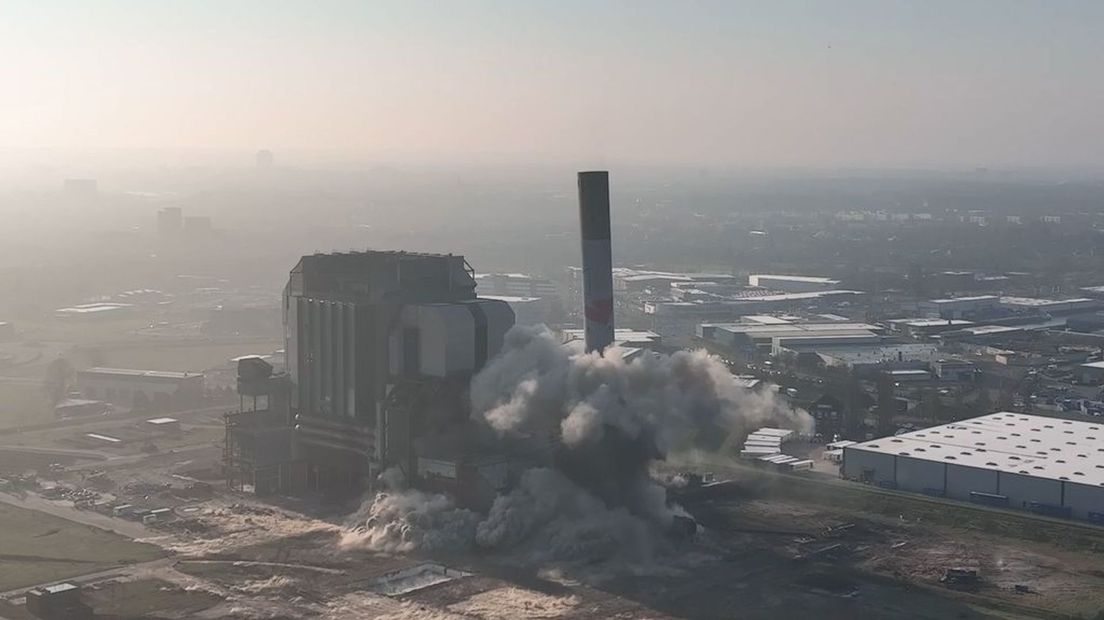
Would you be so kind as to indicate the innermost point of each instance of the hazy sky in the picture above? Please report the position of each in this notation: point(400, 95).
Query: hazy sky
point(828, 82)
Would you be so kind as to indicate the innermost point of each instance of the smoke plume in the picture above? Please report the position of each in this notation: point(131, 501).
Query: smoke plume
point(591, 425)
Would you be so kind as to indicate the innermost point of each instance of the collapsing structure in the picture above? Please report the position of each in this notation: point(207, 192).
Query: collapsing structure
point(381, 351)
point(381, 347)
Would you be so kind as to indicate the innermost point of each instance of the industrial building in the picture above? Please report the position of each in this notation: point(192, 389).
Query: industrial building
point(515, 284)
point(626, 280)
point(61, 601)
point(676, 302)
point(621, 337)
point(922, 328)
point(960, 307)
point(1050, 306)
point(257, 452)
point(380, 349)
point(142, 389)
point(376, 341)
point(533, 299)
point(862, 356)
point(165, 426)
point(954, 370)
point(69, 408)
point(994, 307)
point(1091, 373)
point(632, 342)
point(676, 317)
point(768, 334)
point(1047, 465)
point(793, 284)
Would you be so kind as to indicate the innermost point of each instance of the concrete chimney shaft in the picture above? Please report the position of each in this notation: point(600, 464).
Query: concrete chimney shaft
point(594, 221)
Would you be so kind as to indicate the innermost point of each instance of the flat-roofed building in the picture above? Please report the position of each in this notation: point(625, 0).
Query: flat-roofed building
point(514, 284)
point(94, 310)
point(926, 327)
point(163, 425)
point(625, 338)
point(1091, 373)
point(1047, 465)
point(960, 307)
point(756, 333)
point(1051, 306)
point(142, 389)
point(792, 284)
point(375, 341)
point(867, 356)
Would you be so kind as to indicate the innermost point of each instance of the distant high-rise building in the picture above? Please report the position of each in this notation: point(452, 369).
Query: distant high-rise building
point(170, 221)
point(265, 158)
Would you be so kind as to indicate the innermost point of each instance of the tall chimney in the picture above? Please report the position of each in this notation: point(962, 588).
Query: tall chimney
point(594, 220)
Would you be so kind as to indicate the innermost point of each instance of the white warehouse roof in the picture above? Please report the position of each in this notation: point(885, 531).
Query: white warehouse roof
point(1016, 443)
point(789, 278)
point(1042, 303)
point(963, 300)
point(144, 374)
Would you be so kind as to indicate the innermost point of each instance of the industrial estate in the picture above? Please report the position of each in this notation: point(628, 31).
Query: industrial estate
point(397, 434)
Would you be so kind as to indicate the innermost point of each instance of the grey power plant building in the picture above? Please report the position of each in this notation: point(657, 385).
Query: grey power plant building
point(381, 347)
point(370, 336)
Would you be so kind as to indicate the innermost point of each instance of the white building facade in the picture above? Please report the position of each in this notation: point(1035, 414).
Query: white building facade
point(1046, 465)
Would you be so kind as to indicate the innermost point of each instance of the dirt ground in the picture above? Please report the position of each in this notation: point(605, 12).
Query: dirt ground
point(22, 404)
point(232, 557)
point(154, 598)
point(37, 547)
point(1060, 581)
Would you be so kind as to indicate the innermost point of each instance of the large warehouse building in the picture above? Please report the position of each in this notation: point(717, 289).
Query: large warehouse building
point(142, 389)
point(1047, 465)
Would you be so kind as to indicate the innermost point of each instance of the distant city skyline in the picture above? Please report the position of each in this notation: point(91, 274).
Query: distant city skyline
point(821, 84)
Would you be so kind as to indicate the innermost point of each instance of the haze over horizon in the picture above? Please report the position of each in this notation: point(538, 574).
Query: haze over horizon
point(815, 84)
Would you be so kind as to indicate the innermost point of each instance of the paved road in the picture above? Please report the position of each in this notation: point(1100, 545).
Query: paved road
point(67, 452)
point(130, 529)
point(26, 380)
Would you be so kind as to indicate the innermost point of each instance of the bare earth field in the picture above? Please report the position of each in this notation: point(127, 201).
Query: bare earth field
point(37, 548)
point(764, 554)
point(22, 404)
